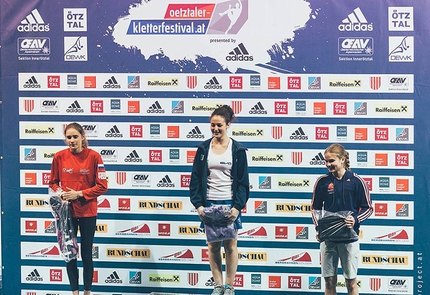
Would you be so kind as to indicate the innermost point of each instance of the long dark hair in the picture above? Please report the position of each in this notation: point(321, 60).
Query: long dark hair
point(226, 112)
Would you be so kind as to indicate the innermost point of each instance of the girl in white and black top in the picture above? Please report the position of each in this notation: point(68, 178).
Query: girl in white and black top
point(220, 176)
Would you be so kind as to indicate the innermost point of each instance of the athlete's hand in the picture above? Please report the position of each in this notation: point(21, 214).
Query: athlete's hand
point(350, 221)
point(71, 195)
point(201, 213)
point(234, 213)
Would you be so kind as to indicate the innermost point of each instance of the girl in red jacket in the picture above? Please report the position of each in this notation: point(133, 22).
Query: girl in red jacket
point(78, 174)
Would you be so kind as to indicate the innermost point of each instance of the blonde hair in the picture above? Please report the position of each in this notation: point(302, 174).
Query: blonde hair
point(340, 151)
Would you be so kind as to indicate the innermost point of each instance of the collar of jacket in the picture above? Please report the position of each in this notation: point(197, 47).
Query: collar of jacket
point(236, 145)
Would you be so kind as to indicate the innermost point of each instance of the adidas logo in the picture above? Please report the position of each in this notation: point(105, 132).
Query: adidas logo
point(133, 157)
point(195, 133)
point(355, 22)
point(111, 83)
point(258, 109)
point(165, 182)
point(239, 54)
point(75, 107)
point(213, 84)
point(318, 160)
point(210, 282)
point(32, 83)
point(155, 108)
point(33, 23)
point(299, 134)
point(113, 279)
point(34, 276)
point(113, 132)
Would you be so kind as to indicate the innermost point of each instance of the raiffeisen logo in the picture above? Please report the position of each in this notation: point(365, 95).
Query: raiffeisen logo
point(194, 19)
point(355, 22)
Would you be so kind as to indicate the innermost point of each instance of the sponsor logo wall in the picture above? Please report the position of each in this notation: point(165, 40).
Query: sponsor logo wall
point(143, 82)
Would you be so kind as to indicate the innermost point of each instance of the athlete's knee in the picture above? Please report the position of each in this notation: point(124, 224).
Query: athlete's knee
point(351, 284)
point(330, 283)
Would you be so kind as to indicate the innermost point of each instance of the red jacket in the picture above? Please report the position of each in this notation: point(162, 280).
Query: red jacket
point(81, 172)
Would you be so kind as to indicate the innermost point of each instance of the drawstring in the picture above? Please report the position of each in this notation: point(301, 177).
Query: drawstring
point(343, 191)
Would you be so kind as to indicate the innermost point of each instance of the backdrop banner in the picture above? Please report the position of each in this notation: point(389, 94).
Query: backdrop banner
point(143, 77)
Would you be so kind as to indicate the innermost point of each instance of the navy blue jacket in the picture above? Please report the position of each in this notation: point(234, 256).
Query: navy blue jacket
point(347, 194)
point(239, 174)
